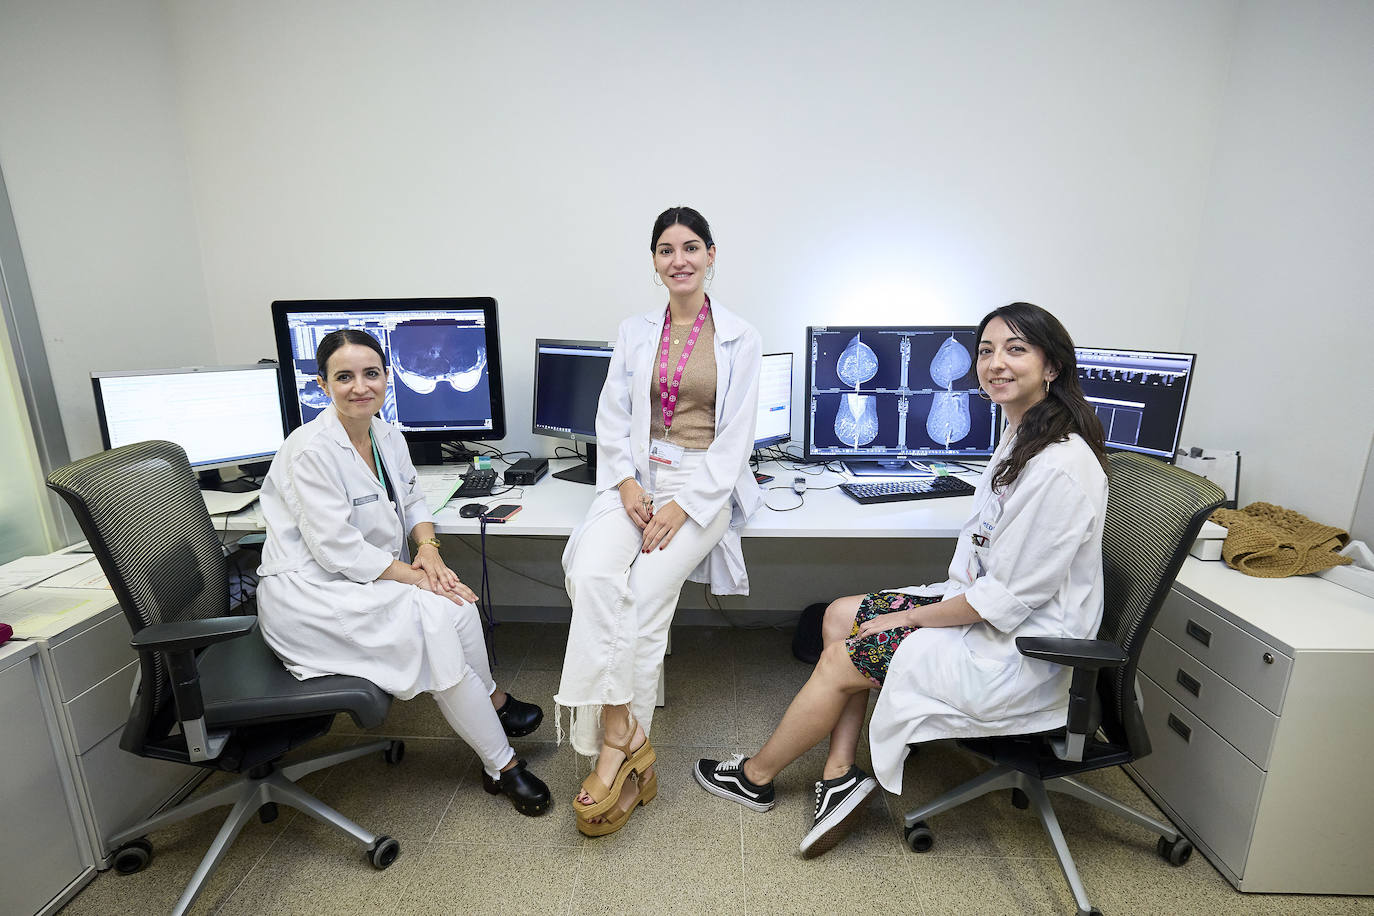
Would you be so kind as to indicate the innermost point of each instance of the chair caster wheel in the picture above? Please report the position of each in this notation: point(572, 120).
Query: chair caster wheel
point(133, 856)
point(395, 752)
point(267, 813)
point(1020, 799)
point(383, 852)
point(1175, 853)
point(919, 837)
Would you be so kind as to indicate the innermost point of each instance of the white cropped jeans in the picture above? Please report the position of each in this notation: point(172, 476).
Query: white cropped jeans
point(623, 602)
point(466, 706)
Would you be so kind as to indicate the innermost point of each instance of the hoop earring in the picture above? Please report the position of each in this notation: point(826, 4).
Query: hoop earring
point(710, 275)
point(983, 394)
point(658, 281)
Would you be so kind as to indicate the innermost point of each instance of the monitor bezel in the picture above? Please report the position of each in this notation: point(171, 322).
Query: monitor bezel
point(283, 308)
point(265, 366)
point(1183, 414)
point(539, 342)
point(791, 395)
point(999, 421)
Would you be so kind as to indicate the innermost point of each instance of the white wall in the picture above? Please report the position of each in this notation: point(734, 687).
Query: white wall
point(917, 162)
point(1280, 310)
point(95, 166)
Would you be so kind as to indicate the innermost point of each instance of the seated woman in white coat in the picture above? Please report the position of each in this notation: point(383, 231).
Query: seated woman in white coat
point(338, 593)
point(674, 431)
point(1028, 562)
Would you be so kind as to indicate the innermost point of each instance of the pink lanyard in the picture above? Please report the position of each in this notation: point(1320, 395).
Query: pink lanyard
point(668, 396)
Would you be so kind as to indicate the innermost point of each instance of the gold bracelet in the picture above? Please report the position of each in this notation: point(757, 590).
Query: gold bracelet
point(431, 541)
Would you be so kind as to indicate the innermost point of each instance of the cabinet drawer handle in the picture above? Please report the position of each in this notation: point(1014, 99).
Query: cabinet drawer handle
point(1182, 730)
point(1189, 683)
point(1200, 633)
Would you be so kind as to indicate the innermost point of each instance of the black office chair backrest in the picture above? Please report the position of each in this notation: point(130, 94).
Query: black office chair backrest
point(1154, 513)
point(141, 510)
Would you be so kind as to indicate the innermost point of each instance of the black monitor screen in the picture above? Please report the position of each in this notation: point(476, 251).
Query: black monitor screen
point(568, 377)
point(884, 393)
point(444, 354)
point(1140, 396)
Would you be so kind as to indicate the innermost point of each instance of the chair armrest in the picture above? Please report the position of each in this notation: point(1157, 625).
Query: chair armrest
point(178, 641)
point(191, 634)
point(1089, 654)
point(1086, 657)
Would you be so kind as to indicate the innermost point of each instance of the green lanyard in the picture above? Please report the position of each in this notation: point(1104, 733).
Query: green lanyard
point(376, 457)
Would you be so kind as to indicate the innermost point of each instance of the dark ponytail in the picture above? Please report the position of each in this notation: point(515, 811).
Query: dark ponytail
point(1064, 409)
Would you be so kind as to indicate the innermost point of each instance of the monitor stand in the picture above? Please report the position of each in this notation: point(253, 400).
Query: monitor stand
point(893, 467)
point(582, 473)
point(211, 480)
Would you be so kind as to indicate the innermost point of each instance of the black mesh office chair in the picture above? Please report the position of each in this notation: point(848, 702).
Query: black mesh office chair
point(211, 693)
point(1154, 512)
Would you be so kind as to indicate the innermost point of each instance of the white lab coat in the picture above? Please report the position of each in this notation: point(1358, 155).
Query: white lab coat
point(622, 437)
point(1039, 574)
point(331, 531)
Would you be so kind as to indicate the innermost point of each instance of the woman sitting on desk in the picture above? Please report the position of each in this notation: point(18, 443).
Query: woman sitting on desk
point(337, 593)
point(674, 430)
point(1028, 562)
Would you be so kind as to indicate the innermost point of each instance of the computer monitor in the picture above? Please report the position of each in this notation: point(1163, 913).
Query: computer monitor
point(878, 397)
point(445, 358)
point(774, 425)
point(1140, 396)
point(221, 415)
point(568, 378)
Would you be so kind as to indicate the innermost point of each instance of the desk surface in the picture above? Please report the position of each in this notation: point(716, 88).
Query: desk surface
point(554, 507)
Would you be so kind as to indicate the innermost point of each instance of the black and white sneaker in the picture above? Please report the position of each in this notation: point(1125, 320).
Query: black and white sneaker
point(837, 804)
point(726, 779)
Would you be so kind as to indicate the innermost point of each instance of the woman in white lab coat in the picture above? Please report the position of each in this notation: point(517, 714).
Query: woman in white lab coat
point(338, 593)
point(674, 430)
point(1028, 562)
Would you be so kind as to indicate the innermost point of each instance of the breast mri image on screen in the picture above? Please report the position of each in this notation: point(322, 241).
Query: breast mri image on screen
point(888, 394)
point(1139, 395)
point(438, 379)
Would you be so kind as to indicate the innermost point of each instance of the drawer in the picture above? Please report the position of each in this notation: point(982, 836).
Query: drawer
point(1209, 696)
point(1212, 786)
point(86, 659)
point(103, 708)
point(1257, 669)
point(124, 788)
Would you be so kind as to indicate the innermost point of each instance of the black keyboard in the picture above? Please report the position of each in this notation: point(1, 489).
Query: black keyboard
point(919, 488)
point(476, 483)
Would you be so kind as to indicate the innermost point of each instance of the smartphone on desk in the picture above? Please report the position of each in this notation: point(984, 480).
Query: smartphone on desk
point(503, 513)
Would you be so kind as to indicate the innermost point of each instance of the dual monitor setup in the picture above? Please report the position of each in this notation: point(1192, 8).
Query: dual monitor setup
point(880, 399)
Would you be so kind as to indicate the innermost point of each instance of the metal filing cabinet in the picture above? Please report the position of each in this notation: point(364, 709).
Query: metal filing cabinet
point(1256, 694)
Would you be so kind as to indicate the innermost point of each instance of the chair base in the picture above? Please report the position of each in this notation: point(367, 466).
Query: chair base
point(1037, 790)
point(249, 794)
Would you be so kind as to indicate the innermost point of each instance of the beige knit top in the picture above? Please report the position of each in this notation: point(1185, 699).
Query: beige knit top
point(694, 417)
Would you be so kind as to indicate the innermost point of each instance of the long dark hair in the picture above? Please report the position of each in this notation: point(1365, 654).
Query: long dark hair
point(1064, 409)
point(332, 342)
point(687, 217)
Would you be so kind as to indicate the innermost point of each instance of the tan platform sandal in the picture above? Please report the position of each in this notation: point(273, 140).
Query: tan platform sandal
point(604, 797)
point(648, 790)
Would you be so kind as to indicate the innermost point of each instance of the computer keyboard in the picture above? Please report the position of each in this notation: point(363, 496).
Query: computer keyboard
point(476, 483)
point(918, 488)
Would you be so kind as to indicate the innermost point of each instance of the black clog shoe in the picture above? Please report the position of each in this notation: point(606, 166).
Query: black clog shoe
point(519, 718)
point(526, 791)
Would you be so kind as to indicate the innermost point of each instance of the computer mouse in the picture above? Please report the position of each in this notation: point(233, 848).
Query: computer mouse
point(471, 510)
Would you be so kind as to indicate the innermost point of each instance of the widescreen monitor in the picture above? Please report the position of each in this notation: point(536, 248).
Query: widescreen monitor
point(879, 397)
point(221, 415)
point(774, 425)
point(1140, 396)
point(568, 378)
point(444, 354)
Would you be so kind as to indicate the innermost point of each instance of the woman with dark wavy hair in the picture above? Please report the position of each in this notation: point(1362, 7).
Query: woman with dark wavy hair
point(1028, 562)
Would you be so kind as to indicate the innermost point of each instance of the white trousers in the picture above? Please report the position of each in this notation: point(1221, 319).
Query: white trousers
point(466, 706)
point(623, 602)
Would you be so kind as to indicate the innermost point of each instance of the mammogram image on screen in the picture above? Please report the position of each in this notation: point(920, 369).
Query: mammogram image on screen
point(856, 421)
point(439, 371)
point(857, 359)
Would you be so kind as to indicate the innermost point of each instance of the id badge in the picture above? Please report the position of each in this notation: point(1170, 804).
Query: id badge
point(665, 453)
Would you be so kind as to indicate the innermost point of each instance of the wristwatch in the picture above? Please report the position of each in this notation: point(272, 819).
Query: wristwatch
point(431, 541)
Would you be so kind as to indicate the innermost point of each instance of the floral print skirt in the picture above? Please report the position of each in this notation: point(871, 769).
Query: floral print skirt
point(872, 654)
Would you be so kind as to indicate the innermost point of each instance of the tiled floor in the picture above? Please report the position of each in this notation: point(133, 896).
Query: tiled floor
point(686, 852)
